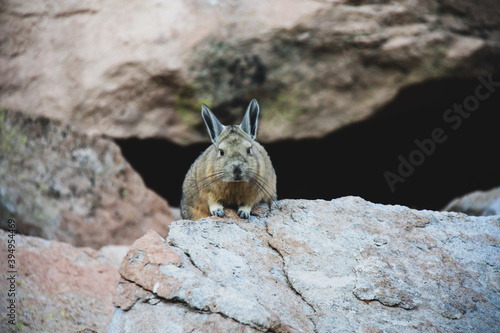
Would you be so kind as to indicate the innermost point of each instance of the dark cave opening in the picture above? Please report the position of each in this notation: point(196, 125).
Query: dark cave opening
point(358, 159)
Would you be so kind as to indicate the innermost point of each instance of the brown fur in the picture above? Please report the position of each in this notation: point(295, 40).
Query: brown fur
point(211, 183)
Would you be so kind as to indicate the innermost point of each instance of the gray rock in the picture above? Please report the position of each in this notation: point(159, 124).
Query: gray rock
point(60, 184)
point(114, 253)
point(315, 266)
point(478, 203)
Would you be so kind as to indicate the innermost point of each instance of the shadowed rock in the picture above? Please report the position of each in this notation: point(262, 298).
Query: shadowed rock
point(478, 203)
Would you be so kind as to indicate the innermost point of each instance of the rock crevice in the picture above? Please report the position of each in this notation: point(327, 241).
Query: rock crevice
point(290, 284)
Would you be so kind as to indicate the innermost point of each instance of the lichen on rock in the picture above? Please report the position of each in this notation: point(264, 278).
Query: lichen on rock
point(60, 184)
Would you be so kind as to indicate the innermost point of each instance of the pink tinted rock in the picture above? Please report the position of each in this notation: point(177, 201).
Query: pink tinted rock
point(59, 287)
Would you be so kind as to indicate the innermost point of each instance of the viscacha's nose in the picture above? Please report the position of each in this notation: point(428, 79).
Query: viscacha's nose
point(237, 173)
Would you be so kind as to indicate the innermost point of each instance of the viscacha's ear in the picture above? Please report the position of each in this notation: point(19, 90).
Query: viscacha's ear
point(251, 119)
point(214, 126)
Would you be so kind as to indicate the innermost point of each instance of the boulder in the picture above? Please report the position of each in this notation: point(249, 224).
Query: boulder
point(142, 69)
point(63, 185)
point(56, 287)
point(114, 253)
point(347, 265)
point(478, 203)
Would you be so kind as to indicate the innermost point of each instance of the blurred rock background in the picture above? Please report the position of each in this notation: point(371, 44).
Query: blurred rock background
point(100, 106)
point(345, 87)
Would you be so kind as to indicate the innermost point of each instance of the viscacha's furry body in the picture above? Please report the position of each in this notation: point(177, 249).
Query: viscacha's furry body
point(234, 171)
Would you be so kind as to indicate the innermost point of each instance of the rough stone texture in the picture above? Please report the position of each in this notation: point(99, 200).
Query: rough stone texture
point(114, 253)
point(59, 184)
point(58, 288)
point(143, 68)
point(315, 266)
point(479, 203)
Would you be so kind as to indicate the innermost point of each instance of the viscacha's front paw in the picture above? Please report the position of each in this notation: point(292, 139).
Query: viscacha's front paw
point(217, 210)
point(244, 212)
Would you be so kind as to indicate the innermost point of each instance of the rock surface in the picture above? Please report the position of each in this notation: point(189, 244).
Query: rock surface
point(144, 68)
point(58, 288)
point(59, 184)
point(315, 266)
point(479, 203)
point(114, 253)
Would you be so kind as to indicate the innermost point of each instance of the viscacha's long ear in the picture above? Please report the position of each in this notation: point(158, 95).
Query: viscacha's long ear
point(214, 126)
point(251, 119)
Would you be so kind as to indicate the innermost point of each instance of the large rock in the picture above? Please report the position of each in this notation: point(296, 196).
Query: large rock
point(59, 184)
point(478, 203)
point(144, 68)
point(315, 266)
point(56, 287)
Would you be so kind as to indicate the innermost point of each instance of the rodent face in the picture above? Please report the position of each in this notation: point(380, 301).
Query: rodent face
point(235, 158)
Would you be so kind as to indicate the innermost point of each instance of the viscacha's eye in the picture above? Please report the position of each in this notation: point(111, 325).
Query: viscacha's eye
point(249, 151)
point(221, 152)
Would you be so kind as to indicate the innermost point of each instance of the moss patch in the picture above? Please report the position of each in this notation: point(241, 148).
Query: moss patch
point(11, 137)
point(188, 105)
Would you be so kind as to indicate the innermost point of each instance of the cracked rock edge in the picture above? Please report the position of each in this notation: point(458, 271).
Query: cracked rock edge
point(166, 262)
